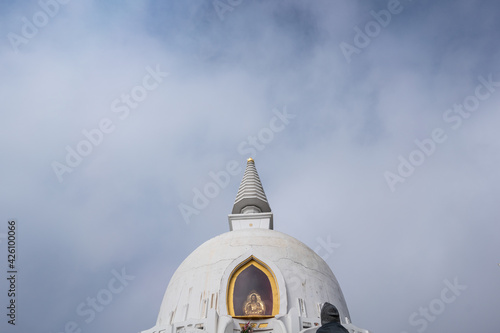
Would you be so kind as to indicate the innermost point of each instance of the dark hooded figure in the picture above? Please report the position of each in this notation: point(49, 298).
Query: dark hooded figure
point(330, 320)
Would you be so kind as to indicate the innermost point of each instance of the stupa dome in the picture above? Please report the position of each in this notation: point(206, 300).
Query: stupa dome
point(251, 274)
point(302, 278)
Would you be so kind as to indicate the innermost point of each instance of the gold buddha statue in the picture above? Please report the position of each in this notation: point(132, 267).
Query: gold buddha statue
point(254, 305)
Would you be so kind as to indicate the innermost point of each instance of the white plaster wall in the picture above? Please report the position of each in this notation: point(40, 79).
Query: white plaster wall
point(302, 275)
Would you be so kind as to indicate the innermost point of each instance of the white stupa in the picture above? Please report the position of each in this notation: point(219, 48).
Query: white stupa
point(250, 274)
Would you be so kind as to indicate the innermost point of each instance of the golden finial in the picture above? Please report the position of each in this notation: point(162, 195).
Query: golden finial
point(250, 159)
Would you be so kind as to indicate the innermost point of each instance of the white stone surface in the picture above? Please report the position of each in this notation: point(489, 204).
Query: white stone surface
point(256, 220)
point(196, 297)
point(199, 285)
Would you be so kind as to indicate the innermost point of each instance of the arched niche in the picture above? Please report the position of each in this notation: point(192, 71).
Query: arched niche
point(252, 291)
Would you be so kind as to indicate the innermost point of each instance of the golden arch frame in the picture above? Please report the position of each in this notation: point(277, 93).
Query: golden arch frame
point(272, 280)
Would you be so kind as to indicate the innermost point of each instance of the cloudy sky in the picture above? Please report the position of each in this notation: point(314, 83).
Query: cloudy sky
point(374, 127)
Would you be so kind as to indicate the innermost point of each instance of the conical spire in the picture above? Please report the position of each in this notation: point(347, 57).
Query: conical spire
point(251, 197)
point(251, 209)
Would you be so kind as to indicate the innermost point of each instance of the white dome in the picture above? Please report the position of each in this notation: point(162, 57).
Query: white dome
point(250, 275)
point(201, 282)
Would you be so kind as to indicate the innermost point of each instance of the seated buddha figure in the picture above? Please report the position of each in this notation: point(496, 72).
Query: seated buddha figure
point(254, 305)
